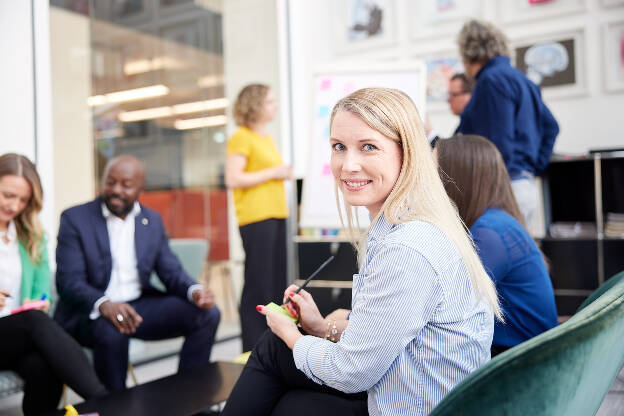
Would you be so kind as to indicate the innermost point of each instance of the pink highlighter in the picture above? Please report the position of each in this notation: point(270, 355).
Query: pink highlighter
point(29, 306)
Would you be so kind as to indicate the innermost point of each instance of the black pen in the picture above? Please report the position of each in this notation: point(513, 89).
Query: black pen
point(321, 267)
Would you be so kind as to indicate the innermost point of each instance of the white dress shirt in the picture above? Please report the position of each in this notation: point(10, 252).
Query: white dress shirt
point(124, 284)
point(10, 269)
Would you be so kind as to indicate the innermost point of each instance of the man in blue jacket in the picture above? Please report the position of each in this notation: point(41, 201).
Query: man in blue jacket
point(507, 108)
point(107, 250)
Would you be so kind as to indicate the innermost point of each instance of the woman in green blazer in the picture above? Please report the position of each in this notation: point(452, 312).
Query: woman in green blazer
point(33, 344)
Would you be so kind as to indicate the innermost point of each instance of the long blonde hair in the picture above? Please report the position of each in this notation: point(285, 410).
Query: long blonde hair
point(27, 224)
point(418, 193)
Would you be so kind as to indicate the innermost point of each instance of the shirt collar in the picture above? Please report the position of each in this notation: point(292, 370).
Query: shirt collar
point(497, 60)
point(380, 228)
point(136, 209)
point(11, 232)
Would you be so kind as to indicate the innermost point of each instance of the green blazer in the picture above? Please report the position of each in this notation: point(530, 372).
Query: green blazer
point(35, 277)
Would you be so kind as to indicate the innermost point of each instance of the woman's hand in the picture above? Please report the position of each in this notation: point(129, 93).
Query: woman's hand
point(302, 306)
point(284, 172)
point(44, 308)
point(281, 325)
point(3, 296)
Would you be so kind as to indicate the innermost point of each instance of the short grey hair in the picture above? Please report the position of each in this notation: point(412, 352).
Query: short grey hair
point(481, 41)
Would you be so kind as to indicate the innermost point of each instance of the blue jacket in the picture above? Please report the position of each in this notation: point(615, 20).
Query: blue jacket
point(507, 108)
point(84, 262)
point(516, 266)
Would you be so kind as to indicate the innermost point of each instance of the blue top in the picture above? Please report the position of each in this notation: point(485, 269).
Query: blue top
point(507, 108)
point(514, 262)
point(416, 328)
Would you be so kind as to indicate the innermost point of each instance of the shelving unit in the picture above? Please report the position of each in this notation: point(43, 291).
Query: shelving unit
point(331, 289)
point(583, 190)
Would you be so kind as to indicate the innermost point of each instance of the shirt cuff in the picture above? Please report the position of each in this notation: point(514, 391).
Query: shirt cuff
point(95, 312)
point(191, 289)
point(301, 355)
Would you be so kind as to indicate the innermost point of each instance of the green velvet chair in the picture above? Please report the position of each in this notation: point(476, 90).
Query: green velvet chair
point(602, 289)
point(565, 371)
point(191, 252)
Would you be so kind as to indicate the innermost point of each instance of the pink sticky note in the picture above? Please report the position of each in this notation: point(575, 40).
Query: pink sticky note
point(325, 84)
point(349, 87)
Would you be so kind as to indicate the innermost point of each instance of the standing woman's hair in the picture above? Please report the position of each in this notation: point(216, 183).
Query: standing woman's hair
point(418, 193)
point(249, 104)
point(27, 224)
point(475, 177)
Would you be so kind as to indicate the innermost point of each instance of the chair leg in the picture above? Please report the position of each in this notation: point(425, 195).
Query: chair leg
point(64, 396)
point(132, 375)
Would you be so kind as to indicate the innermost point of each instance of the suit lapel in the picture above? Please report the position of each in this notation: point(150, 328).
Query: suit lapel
point(101, 231)
point(141, 234)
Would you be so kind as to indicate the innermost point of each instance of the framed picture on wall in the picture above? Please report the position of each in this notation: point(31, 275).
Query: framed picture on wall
point(439, 70)
point(556, 63)
point(363, 24)
point(432, 18)
point(613, 61)
point(512, 11)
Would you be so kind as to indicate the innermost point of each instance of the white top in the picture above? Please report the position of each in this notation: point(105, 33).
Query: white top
point(124, 284)
point(10, 269)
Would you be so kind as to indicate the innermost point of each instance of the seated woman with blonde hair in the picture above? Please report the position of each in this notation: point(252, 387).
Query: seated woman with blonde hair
point(476, 179)
point(33, 344)
point(423, 306)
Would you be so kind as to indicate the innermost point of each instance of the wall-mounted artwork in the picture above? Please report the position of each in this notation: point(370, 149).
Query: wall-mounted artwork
point(439, 73)
point(613, 61)
point(363, 24)
point(431, 18)
point(553, 62)
point(512, 11)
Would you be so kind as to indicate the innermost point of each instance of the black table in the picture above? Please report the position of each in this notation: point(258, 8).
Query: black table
point(180, 394)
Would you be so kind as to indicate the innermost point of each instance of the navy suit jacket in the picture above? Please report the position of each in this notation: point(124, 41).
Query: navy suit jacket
point(84, 262)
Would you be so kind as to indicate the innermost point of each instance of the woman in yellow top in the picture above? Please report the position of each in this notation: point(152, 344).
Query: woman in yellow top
point(33, 345)
point(255, 171)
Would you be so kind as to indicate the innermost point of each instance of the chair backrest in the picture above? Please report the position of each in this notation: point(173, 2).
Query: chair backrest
point(565, 371)
point(191, 252)
point(601, 290)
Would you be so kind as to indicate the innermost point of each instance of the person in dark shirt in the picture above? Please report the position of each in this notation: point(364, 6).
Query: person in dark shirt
point(475, 178)
point(506, 108)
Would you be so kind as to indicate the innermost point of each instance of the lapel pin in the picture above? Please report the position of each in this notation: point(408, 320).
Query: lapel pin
point(144, 221)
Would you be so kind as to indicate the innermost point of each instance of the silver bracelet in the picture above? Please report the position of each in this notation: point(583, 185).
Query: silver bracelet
point(331, 332)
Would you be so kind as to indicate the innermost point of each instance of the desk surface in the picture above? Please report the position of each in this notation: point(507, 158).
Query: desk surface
point(176, 395)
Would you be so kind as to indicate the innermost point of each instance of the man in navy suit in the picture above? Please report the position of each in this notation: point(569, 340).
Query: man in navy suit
point(107, 250)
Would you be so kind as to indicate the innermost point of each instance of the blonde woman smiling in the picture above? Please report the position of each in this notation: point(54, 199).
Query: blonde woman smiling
point(423, 307)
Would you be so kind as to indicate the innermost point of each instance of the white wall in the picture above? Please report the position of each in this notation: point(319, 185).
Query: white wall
point(587, 121)
point(16, 79)
point(25, 104)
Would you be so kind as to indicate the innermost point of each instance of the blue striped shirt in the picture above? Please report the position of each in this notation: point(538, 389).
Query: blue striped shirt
point(416, 328)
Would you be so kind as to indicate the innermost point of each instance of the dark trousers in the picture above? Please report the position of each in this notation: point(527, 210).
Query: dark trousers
point(265, 274)
point(45, 356)
point(164, 317)
point(271, 384)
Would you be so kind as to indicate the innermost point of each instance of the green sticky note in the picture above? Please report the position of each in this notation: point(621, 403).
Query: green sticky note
point(275, 307)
